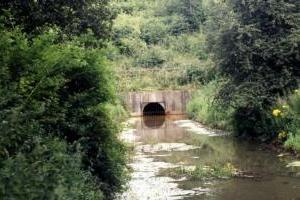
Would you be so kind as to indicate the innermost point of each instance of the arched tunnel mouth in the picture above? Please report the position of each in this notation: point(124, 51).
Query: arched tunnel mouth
point(154, 109)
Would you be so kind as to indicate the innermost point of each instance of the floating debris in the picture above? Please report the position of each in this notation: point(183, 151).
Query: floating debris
point(154, 148)
point(198, 128)
point(294, 164)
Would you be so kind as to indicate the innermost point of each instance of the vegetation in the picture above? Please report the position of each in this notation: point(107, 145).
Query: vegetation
point(71, 17)
point(203, 107)
point(256, 50)
point(293, 129)
point(240, 57)
point(158, 44)
point(287, 121)
point(201, 172)
point(59, 102)
point(258, 53)
point(58, 135)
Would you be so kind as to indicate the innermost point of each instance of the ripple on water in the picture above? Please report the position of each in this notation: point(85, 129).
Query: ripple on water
point(145, 184)
point(198, 128)
point(165, 147)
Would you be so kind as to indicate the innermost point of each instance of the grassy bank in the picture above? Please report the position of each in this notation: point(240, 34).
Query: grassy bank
point(204, 108)
point(283, 121)
point(287, 120)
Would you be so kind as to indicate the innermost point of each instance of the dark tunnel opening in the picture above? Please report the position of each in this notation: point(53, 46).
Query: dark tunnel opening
point(153, 109)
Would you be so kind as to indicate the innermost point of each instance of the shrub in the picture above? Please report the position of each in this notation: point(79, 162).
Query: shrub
point(72, 17)
point(293, 141)
point(121, 32)
point(132, 46)
point(187, 43)
point(257, 53)
point(199, 75)
point(48, 171)
point(176, 25)
point(205, 109)
point(154, 32)
point(59, 90)
point(190, 10)
point(153, 57)
point(292, 128)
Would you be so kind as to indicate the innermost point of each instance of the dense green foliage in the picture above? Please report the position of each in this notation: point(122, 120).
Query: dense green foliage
point(59, 91)
point(58, 104)
point(72, 17)
point(286, 115)
point(204, 109)
point(47, 171)
point(293, 129)
point(256, 50)
point(259, 53)
point(251, 47)
point(159, 43)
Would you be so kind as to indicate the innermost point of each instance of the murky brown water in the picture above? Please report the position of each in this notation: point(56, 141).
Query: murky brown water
point(168, 142)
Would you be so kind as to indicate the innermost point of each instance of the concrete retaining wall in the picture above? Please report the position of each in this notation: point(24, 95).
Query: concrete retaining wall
point(174, 102)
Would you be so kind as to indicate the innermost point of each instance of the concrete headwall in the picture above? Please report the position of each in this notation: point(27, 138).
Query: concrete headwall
point(174, 102)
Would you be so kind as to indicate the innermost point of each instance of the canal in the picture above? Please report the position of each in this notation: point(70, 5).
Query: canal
point(168, 148)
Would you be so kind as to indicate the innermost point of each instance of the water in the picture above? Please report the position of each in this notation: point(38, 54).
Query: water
point(169, 142)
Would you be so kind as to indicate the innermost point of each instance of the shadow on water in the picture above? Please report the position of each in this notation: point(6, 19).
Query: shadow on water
point(154, 122)
point(274, 180)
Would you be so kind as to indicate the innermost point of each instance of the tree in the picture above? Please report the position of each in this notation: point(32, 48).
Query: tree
point(260, 56)
point(191, 10)
point(72, 16)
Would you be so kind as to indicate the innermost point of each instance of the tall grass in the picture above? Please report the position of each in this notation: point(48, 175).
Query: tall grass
point(205, 109)
point(293, 140)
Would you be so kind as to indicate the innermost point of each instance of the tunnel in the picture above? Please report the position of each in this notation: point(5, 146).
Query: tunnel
point(153, 109)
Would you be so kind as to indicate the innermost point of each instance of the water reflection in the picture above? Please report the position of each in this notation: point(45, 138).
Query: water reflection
point(157, 129)
point(274, 180)
point(154, 122)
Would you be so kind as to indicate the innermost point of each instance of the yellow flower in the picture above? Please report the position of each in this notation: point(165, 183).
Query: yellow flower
point(282, 135)
point(296, 91)
point(276, 112)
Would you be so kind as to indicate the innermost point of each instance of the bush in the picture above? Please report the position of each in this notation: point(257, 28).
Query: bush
point(289, 120)
point(254, 122)
point(293, 141)
point(190, 10)
point(50, 89)
point(153, 57)
point(186, 43)
point(199, 75)
point(256, 51)
point(132, 46)
point(122, 32)
point(48, 171)
point(176, 25)
point(154, 32)
point(205, 109)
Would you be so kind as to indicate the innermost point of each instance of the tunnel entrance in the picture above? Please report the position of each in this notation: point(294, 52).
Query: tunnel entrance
point(154, 109)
